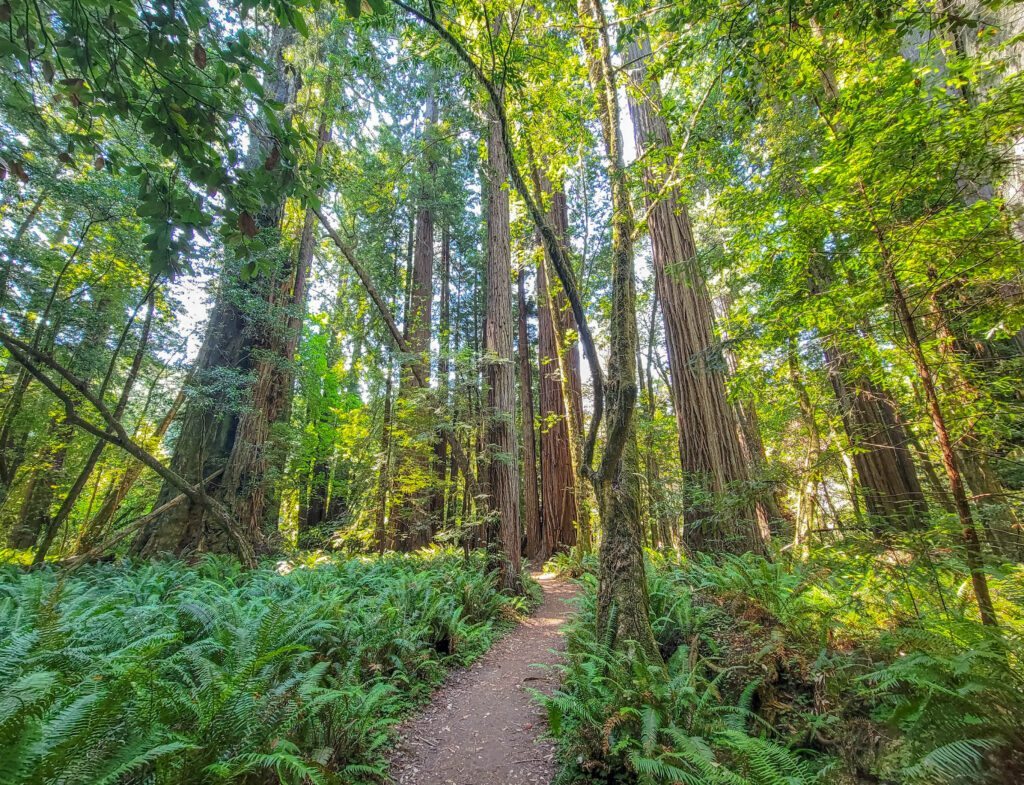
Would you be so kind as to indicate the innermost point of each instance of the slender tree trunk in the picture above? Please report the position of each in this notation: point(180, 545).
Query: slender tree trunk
point(569, 367)
point(438, 508)
point(384, 473)
point(880, 445)
point(622, 600)
point(54, 524)
point(502, 453)
point(531, 498)
point(810, 474)
point(95, 528)
point(996, 515)
point(321, 408)
point(414, 528)
point(972, 545)
point(709, 448)
point(313, 505)
point(14, 439)
point(35, 518)
point(661, 525)
point(878, 440)
point(769, 506)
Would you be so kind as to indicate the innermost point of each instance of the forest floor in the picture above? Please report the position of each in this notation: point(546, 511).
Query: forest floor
point(482, 725)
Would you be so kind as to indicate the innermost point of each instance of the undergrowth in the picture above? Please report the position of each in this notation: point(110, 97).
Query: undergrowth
point(842, 671)
point(165, 673)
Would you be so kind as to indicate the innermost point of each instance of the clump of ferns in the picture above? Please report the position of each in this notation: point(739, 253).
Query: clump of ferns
point(164, 673)
point(624, 719)
point(956, 696)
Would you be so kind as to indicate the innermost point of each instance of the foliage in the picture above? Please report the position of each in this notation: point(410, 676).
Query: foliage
point(162, 672)
point(625, 720)
point(770, 674)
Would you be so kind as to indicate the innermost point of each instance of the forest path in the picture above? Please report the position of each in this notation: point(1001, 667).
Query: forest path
point(482, 726)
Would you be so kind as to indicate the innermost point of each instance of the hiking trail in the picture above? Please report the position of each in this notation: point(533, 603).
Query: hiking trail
point(482, 725)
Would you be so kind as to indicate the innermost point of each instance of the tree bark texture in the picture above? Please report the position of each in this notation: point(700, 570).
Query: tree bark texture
point(709, 447)
point(531, 496)
point(414, 527)
point(622, 601)
point(880, 445)
point(502, 453)
point(558, 473)
point(241, 382)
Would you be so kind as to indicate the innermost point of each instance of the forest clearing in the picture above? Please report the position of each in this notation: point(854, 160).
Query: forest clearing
point(511, 391)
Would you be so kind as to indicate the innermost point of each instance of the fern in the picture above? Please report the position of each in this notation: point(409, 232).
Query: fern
point(166, 674)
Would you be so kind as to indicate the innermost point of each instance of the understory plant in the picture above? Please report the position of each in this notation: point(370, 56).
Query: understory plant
point(166, 673)
point(850, 668)
point(624, 720)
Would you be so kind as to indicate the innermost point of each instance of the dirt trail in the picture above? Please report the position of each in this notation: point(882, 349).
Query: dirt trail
point(481, 726)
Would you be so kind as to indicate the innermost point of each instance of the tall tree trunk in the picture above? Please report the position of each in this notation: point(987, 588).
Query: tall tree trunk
point(93, 531)
point(247, 341)
point(14, 439)
point(321, 409)
point(384, 473)
point(531, 499)
point(880, 445)
point(313, 505)
point(661, 524)
point(878, 440)
point(568, 365)
point(35, 517)
point(558, 474)
point(622, 600)
point(770, 511)
point(414, 528)
point(502, 453)
point(810, 474)
point(996, 516)
point(438, 508)
point(709, 448)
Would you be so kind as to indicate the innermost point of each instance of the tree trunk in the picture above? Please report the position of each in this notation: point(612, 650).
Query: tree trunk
point(661, 524)
point(54, 524)
point(810, 474)
point(413, 526)
point(313, 509)
point(384, 474)
point(622, 600)
point(709, 448)
point(880, 446)
point(94, 529)
point(558, 474)
point(972, 545)
point(501, 455)
point(569, 367)
point(531, 499)
point(438, 508)
point(227, 424)
point(35, 517)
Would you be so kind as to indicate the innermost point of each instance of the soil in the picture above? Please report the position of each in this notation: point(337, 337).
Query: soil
point(483, 725)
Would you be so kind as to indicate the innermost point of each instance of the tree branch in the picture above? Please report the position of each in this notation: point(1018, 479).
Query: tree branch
point(31, 358)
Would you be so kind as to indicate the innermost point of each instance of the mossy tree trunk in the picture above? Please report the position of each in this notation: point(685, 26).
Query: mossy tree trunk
point(240, 388)
point(623, 603)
